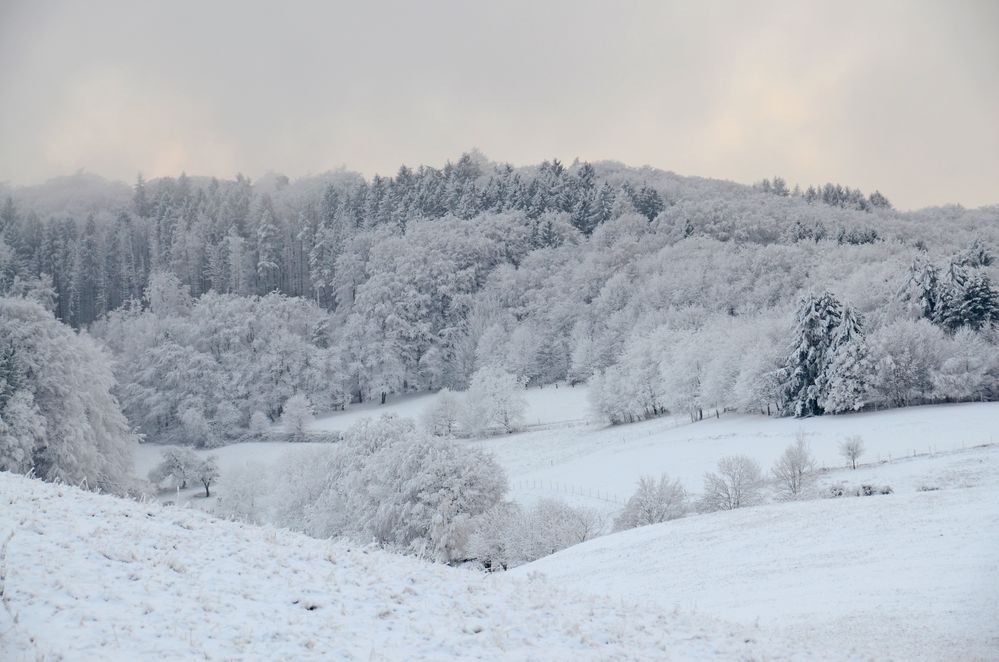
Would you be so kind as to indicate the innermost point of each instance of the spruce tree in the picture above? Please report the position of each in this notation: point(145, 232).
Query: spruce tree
point(843, 384)
point(805, 367)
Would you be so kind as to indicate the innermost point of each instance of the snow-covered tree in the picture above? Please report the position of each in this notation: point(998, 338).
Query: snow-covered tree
point(804, 370)
point(296, 416)
point(851, 449)
point(260, 425)
point(207, 472)
point(179, 465)
point(495, 397)
point(653, 502)
point(441, 418)
point(842, 386)
point(794, 470)
point(736, 484)
point(905, 354)
point(60, 419)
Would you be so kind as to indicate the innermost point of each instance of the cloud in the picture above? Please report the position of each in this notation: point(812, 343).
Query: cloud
point(900, 96)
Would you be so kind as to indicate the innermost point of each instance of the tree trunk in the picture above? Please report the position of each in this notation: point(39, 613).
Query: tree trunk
point(383, 397)
point(207, 493)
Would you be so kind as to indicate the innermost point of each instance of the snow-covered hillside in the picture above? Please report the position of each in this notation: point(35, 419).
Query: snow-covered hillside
point(92, 577)
point(584, 461)
point(907, 577)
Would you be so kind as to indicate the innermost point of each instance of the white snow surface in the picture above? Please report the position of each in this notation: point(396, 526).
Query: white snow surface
point(551, 405)
point(93, 577)
point(906, 577)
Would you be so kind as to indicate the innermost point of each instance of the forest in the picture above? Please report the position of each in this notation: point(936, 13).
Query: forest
point(217, 301)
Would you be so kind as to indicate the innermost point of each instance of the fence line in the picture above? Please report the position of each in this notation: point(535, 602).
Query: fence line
point(568, 488)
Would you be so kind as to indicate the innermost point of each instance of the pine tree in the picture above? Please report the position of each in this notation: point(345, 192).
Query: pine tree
point(815, 329)
point(843, 385)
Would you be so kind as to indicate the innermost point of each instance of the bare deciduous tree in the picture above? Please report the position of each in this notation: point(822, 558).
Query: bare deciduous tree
point(736, 485)
point(795, 469)
point(851, 449)
point(653, 502)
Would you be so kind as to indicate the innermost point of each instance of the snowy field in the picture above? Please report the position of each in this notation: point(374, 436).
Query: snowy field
point(565, 453)
point(92, 577)
point(546, 406)
point(916, 575)
point(912, 575)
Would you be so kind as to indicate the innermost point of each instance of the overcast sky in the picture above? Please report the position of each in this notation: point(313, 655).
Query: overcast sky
point(902, 95)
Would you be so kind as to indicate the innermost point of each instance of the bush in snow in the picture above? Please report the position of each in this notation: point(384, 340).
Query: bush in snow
point(495, 397)
point(389, 483)
point(871, 490)
point(794, 470)
point(296, 415)
point(507, 535)
point(736, 485)
point(441, 418)
point(179, 465)
point(653, 502)
point(58, 417)
point(851, 449)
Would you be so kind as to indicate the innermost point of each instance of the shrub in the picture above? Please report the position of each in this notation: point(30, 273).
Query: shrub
point(653, 502)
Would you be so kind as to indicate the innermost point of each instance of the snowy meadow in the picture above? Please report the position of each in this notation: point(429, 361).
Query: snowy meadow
point(581, 411)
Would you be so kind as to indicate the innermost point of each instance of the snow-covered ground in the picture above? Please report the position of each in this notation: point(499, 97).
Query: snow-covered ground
point(912, 575)
point(600, 465)
point(92, 577)
point(905, 576)
point(551, 405)
point(565, 453)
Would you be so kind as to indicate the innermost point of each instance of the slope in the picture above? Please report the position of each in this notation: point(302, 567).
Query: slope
point(912, 576)
point(95, 577)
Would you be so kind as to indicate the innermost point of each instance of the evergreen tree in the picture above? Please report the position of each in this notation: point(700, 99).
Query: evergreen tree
point(805, 368)
point(843, 385)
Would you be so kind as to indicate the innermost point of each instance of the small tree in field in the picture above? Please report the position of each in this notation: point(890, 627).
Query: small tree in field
point(736, 485)
point(851, 449)
point(494, 397)
point(207, 473)
point(296, 416)
point(180, 465)
point(795, 469)
point(653, 502)
point(441, 418)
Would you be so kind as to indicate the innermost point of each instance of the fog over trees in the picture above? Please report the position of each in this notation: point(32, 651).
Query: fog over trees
point(222, 300)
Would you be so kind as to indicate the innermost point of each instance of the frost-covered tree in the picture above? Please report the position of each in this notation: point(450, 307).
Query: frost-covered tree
point(207, 472)
point(794, 470)
point(260, 425)
point(852, 448)
point(843, 384)
point(736, 484)
point(60, 419)
point(197, 430)
point(441, 418)
point(653, 502)
point(179, 465)
point(804, 370)
point(968, 368)
point(495, 397)
point(296, 416)
point(905, 354)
